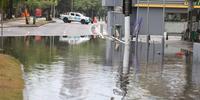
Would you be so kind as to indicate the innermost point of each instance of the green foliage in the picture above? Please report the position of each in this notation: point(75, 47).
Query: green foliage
point(197, 2)
point(41, 3)
point(90, 7)
point(64, 6)
point(86, 4)
point(3, 4)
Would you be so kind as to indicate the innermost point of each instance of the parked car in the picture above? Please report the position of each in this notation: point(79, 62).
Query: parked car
point(75, 17)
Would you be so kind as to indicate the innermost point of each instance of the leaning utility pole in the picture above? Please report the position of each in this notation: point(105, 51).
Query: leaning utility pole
point(127, 6)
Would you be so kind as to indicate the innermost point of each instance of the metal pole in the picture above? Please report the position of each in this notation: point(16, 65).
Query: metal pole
point(147, 44)
point(148, 18)
point(163, 26)
point(127, 11)
point(163, 39)
point(163, 52)
point(153, 51)
point(136, 42)
point(127, 44)
point(148, 35)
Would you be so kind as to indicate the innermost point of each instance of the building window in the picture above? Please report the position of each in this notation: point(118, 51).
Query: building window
point(176, 17)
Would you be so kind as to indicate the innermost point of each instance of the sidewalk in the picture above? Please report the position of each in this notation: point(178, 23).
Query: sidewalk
point(20, 22)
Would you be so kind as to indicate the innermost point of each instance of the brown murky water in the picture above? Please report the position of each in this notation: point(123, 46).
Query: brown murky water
point(56, 70)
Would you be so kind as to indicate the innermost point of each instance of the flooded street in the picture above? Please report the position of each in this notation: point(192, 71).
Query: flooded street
point(91, 70)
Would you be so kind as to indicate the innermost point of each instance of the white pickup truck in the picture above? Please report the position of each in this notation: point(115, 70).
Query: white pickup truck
point(75, 17)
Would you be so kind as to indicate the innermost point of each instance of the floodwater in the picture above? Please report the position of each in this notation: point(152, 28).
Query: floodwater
point(57, 70)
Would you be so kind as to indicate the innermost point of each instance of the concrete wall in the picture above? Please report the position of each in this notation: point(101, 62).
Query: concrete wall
point(196, 63)
point(115, 18)
point(155, 20)
point(133, 19)
point(175, 27)
point(110, 3)
point(156, 24)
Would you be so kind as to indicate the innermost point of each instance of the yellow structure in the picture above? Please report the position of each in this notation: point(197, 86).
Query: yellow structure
point(153, 5)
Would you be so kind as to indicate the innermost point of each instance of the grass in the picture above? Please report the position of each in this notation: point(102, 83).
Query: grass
point(11, 82)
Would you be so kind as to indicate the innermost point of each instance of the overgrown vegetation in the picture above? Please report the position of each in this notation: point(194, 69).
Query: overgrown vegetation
point(89, 7)
point(45, 5)
point(11, 82)
point(17, 7)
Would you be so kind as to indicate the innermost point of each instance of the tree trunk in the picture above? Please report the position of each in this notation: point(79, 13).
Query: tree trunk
point(48, 15)
point(26, 18)
point(10, 9)
point(26, 15)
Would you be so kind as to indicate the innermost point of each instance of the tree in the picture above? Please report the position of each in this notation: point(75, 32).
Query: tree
point(45, 5)
point(90, 7)
point(8, 7)
point(3, 5)
point(64, 6)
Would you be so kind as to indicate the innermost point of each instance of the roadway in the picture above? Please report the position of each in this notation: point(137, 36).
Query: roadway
point(58, 28)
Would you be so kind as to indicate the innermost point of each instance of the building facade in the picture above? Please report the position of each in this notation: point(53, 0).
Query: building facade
point(157, 16)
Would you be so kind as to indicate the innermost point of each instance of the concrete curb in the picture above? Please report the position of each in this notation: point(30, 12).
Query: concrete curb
point(29, 25)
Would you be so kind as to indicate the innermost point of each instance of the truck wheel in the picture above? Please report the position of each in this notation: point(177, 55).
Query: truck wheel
point(65, 20)
point(69, 21)
point(82, 21)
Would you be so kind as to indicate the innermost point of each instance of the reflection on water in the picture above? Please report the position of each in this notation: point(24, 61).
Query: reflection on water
point(74, 39)
point(55, 70)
